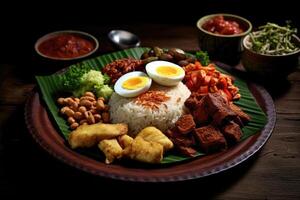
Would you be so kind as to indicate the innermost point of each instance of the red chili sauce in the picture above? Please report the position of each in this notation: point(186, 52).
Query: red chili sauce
point(66, 46)
point(221, 26)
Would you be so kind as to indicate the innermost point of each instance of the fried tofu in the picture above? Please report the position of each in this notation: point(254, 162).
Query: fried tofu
point(111, 149)
point(125, 140)
point(90, 135)
point(152, 134)
point(144, 151)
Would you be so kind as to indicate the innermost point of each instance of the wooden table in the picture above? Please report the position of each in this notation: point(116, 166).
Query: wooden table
point(273, 173)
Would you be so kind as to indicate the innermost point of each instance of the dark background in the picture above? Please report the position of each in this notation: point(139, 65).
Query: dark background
point(22, 22)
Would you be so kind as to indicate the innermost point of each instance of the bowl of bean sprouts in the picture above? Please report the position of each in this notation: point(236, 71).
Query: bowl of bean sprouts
point(271, 51)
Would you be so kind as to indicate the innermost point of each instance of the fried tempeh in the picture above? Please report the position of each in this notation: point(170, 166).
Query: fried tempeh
point(152, 134)
point(111, 149)
point(90, 135)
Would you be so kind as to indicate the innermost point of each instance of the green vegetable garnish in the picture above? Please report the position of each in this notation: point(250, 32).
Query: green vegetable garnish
point(80, 79)
point(203, 57)
point(71, 79)
point(272, 39)
point(94, 81)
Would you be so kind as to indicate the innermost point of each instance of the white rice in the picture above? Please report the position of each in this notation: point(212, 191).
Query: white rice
point(126, 110)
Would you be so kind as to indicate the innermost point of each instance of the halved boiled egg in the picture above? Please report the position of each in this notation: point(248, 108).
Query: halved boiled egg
point(165, 73)
point(132, 84)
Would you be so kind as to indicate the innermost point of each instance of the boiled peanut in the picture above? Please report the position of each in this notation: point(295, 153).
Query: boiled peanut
point(105, 117)
point(93, 110)
point(82, 109)
point(86, 114)
point(69, 112)
point(78, 115)
point(74, 125)
point(60, 101)
point(100, 105)
point(71, 120)
point(91, 119)
point(88, 98)
point(89, 94)
point(101, 98)
point(74, 105)
point(83, 121)
point(97, 117)
point(63, 110)
point(86, 103)
point(77, 100)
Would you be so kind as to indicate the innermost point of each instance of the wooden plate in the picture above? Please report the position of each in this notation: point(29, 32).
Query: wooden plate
point(45, 133)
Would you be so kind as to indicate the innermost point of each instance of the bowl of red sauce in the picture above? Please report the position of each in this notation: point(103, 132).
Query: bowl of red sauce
point(221, 36)
point(66, 45)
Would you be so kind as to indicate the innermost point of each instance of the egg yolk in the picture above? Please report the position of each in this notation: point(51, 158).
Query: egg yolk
point(168, 71)
point(135, 83)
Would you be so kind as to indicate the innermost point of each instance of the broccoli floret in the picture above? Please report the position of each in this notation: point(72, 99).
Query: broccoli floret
point(71, 79)
point(94, 81)
point(92, 78)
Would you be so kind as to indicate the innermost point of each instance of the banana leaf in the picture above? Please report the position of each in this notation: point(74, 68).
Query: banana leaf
point(51, 85)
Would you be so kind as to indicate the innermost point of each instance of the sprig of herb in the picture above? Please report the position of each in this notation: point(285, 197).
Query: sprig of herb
point(203, 57)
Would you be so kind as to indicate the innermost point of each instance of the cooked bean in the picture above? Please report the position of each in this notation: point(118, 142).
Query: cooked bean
point(97, 117)
point(100, 105)
point(88, 98)
point(69, 112)
point(82, 109)
point(86, 103)
point(83, 121)
point(74, 125)
point(78, 115)
point(71, 120)
point(60, 101)
point(90, 94)
point(91, 119)
point(63, 110)
point(86, 114)
point(77, 100)
point(74, 106)
point(101, 98)
point(105, 117)
point(93, 110)
point(68, 100)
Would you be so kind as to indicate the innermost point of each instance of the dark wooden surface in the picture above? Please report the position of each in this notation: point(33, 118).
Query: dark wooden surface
point(273, 173)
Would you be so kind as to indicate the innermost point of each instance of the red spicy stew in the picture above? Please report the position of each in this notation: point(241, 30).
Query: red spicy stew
point(221, 26)
point(66, 46)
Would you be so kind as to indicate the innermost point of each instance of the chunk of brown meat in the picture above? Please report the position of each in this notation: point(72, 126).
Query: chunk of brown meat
point(210, 139)
point(232, 132)
point(183, 142)
point(185, 123)
point(243, 116)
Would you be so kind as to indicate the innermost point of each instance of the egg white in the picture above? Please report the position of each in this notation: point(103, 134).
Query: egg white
point(164, 80)
point(131, 93)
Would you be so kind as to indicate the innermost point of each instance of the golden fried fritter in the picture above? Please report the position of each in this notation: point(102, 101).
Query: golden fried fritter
point(144, 151)
point(90, 135)
point(152, 134)
point(111, 149)
point(125, 140)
